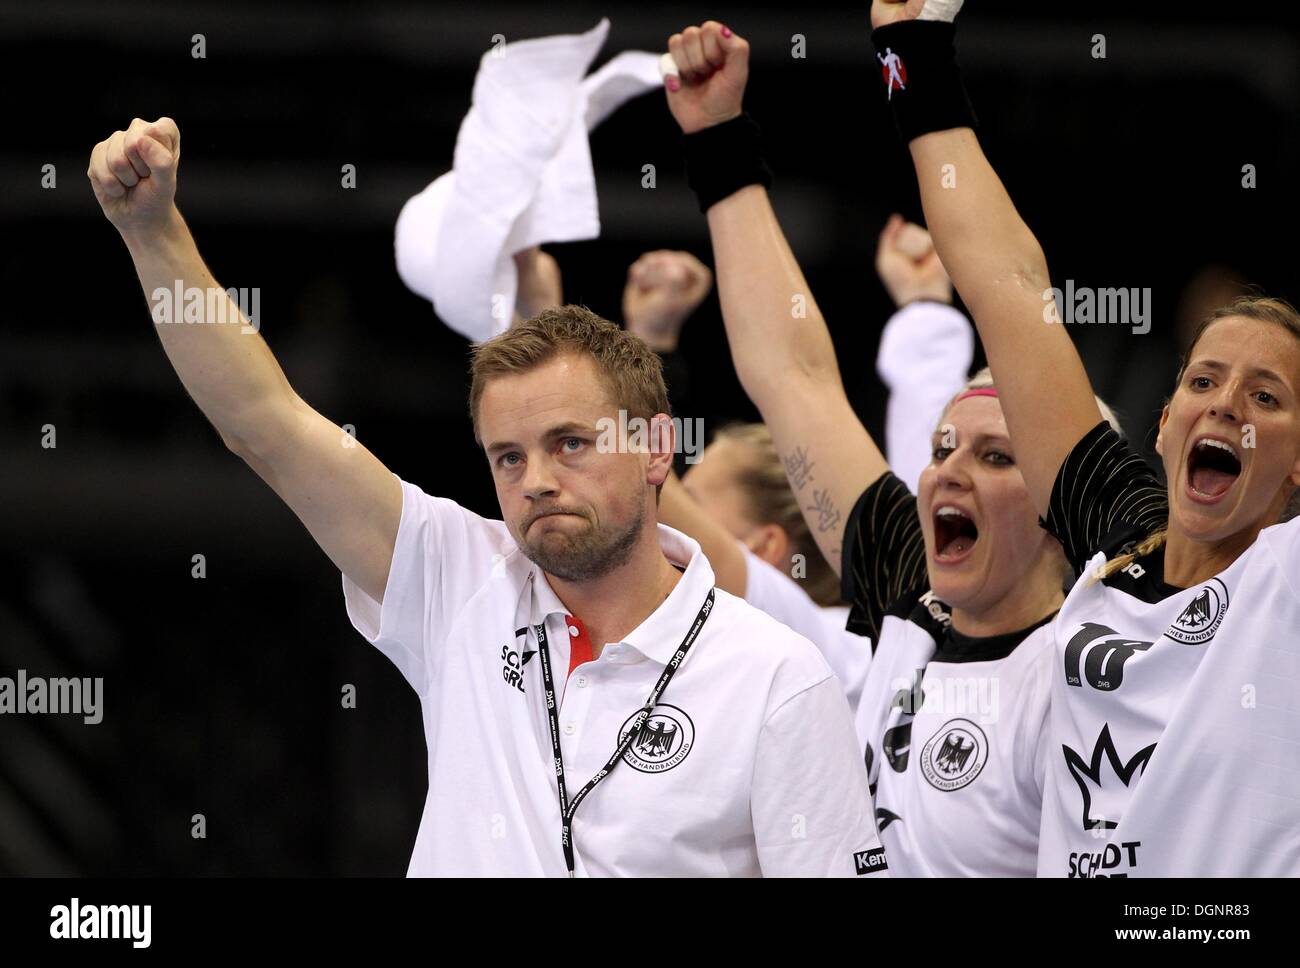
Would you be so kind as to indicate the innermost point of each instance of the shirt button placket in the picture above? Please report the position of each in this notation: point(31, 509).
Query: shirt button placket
point(574, 707)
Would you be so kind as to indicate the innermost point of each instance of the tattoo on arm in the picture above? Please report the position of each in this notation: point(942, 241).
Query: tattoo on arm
point(822, 513)
point(828, 515)
point(798, 468)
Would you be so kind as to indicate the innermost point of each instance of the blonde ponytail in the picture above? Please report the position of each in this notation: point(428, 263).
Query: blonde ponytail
point(1147, 545)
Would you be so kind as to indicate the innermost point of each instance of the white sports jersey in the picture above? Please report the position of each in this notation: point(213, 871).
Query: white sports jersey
point(1175, 720)
point(952, 726)
point(848, 654)
point(747, 766)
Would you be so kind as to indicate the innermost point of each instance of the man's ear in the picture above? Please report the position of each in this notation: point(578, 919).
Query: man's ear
point(1160, 436)
point(663, 444)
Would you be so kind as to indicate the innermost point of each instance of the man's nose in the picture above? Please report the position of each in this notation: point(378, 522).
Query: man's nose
point(539, 477)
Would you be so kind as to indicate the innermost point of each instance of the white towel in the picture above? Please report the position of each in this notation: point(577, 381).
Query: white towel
point(521, 175)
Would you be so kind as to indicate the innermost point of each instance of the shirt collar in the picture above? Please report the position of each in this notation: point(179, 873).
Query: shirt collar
point(661, 633)
point(545, 602)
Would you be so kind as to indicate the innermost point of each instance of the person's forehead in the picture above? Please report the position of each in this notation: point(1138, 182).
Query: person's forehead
point(1237, 340)
point(566, 387)
point(976, 415)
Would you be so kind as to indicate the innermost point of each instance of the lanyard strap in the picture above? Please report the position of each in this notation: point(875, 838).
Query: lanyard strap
point(567, 808)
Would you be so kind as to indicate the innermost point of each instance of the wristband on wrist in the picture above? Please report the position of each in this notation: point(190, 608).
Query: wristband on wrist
point(725, 158)
point(918, 65)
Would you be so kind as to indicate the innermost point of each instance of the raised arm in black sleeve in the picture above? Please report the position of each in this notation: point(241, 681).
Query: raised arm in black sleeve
point(1102, 486)
point(884, 554)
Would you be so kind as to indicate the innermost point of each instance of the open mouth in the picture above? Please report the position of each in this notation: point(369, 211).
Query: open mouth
point(1212, 467)
point(955, 534)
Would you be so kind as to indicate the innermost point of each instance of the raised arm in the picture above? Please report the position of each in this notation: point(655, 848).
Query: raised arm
point(348, 500)
point(926, 347)
point(779, 341)
point(993, 258)
point(680, 511)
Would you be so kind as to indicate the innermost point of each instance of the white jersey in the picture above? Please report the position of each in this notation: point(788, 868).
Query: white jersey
point(1175, 719)
point(952, 726)
point(847, 653)
point(747, 765)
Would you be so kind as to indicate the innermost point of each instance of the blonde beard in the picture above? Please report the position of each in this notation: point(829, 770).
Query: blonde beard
point(589, 555)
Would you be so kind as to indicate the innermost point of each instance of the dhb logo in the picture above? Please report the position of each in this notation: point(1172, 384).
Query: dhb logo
point(1103, 666)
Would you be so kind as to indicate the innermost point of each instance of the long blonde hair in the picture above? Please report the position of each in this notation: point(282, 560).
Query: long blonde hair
point(1267, 309)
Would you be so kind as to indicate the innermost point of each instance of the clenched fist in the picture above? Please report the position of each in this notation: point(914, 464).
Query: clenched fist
point(133, 173)
point(663, 288)
point(713, 66)
point(908, 265)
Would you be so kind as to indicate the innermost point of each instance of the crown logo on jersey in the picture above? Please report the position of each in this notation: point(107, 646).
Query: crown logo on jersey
point(1104, 789)
point(1202, 616)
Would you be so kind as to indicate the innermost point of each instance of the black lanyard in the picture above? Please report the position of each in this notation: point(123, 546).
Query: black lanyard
point(567, 809)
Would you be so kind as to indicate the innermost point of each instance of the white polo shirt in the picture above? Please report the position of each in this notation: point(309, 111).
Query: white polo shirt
point(753, 768)
point(776, 593)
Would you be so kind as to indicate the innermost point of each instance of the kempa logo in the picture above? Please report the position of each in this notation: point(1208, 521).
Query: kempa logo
point(636, 435)
point(884, 818)
point(664, 741)
point(71, 922)
point(870, 861)
point(34, 694)
point(954, 756)
point(1202, 616)
point(1104, 794)
point(893, 72)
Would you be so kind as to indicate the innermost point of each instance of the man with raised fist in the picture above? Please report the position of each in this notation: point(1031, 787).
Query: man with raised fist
point(577, 643)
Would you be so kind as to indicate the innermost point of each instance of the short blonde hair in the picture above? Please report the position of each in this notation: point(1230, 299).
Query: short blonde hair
point(983, 380)
point(633, 372)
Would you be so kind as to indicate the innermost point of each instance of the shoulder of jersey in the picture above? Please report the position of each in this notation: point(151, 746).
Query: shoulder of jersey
point(756, 637)
point(1138, 579)
point(430, 506)
point(924, 610)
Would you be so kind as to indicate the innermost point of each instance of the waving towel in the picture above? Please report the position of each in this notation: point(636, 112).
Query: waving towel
point(521, 175)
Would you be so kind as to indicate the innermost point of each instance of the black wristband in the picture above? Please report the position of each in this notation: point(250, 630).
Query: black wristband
point(918, 67)
point(725, 158)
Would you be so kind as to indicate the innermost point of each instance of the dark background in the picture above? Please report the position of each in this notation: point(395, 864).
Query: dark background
point(222, 695)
